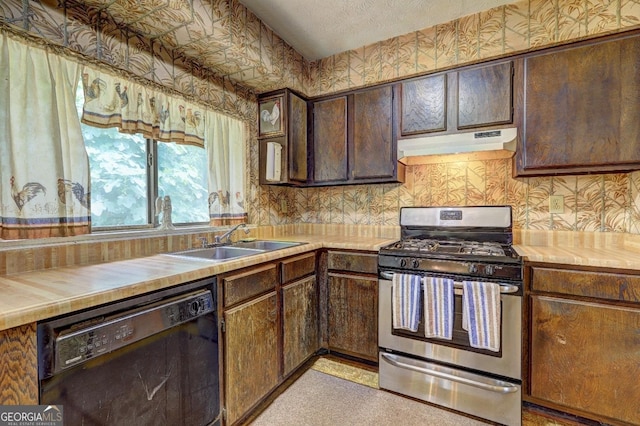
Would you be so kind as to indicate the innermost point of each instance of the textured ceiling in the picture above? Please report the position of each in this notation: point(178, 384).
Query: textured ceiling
point(317, 29)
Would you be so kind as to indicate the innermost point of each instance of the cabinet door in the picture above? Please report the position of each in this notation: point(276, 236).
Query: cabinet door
point(424, 105)
point(485, 96)
point(300, 322)
point(582, 108)
point(584, 356)
point(330, 140)
point(353, 315)
point(374, 152)
point(297, 139)
point(251, 354)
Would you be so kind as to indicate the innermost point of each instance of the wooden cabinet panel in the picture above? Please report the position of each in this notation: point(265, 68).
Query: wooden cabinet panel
point(424, 105)
point(366, 263)
point(373, 154)
point(485, 96)
point(585, 356)
point(300, 322)
point(581, 109)
point(611, 286)
point(298, 267)
point(251, 354)
point(297, 139)
point(242, 286)
point(330, 140)
point(353, 315)
point(19, 366)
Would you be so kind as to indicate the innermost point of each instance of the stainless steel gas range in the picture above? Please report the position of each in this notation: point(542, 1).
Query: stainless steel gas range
point(461, 245)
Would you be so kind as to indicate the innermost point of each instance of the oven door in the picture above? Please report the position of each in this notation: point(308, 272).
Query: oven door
point(506, 363)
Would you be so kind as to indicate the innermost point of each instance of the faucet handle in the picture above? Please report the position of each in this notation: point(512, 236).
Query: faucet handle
point(204, 241)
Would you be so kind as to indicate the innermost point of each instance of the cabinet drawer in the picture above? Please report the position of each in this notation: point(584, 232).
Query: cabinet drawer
point(245, 285)
point(601, 285)
point(355, 262)
point(298, 267)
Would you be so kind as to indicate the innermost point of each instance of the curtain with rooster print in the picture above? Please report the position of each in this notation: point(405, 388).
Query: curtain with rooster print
point(44, 168)
point(113, 101)
point(225, 144)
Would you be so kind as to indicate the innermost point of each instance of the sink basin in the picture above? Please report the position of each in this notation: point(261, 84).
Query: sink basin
point(218, 253)
point(266, 244)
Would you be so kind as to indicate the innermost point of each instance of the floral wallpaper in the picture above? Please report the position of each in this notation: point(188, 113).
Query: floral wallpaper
point(221, 54)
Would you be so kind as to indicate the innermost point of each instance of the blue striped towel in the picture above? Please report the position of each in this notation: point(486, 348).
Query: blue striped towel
point(438, 307)
point(406, 301)
point(481, 314)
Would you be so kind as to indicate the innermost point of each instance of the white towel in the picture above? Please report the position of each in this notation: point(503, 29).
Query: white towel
point(438, 307)
point(406, 301)
point(481, 314)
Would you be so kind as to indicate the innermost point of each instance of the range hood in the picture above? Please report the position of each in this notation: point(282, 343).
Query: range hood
point(490, 140)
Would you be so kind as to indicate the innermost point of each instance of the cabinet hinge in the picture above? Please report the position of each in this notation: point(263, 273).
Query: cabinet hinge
point(223, 326)
point(224, 414)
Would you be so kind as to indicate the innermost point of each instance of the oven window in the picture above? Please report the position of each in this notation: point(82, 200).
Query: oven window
point(170, 378)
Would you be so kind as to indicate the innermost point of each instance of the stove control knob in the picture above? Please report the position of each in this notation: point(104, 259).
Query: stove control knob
point(473, 268)
point(403, 263)
point(488, 269)
point(415, 263)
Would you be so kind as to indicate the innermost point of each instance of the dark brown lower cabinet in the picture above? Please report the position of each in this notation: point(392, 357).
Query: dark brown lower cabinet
point(353, 315)
point(270, 328)
point(251, 355)
point(584, 350)
point(300, 322)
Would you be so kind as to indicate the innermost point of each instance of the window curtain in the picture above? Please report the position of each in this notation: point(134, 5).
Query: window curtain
point(44, 168)
point(225, 144)
point(114, 101)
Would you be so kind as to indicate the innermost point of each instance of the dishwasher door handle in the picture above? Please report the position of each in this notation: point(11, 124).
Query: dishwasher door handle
point(498, 387)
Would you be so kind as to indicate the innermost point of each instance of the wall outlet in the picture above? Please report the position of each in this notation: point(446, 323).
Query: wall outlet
point(283, 205)
point(556, 204)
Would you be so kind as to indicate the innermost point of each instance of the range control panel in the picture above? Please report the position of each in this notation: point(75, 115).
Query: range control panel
point(82, 342)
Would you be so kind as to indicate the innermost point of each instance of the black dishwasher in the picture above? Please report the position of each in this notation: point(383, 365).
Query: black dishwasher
point(148, 360)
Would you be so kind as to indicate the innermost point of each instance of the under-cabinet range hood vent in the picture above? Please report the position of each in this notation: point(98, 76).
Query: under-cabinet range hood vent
point(490, 140)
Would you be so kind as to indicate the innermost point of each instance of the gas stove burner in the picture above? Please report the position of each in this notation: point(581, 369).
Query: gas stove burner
point(444, 246)
point(482, 249)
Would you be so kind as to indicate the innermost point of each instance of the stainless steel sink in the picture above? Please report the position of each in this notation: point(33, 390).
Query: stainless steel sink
point(239, 249)
point(266, 245)
point(218, 253)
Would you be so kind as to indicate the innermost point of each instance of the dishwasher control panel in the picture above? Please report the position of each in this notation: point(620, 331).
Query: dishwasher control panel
point(92, 338)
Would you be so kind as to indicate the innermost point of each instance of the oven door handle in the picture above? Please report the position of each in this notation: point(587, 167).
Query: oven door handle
point(504, 288)
point(502, 388)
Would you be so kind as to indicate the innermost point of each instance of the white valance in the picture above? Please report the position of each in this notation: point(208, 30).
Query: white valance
point(114, 101)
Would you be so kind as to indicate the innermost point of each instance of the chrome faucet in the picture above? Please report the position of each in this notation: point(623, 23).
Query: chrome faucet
point(226, 237)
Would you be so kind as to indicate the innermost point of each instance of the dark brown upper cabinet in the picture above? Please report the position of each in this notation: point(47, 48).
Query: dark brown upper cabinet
point(353, 139)
point(282, 134)
point(582, 109)
point(460, 100)
point(330, 140)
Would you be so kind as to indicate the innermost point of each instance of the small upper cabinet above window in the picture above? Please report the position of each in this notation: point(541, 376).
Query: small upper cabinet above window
point(455, 101)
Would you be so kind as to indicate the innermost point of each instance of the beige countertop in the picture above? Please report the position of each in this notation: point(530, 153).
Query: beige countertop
point(33, 296)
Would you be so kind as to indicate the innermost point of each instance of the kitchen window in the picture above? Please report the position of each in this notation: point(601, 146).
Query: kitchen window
point(128, 172)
